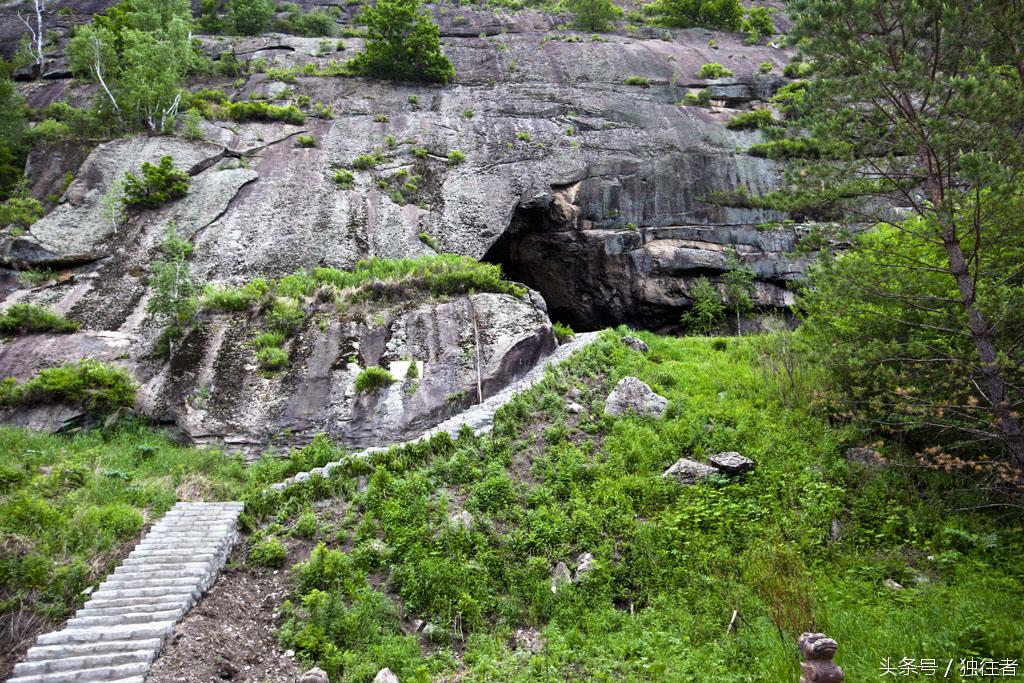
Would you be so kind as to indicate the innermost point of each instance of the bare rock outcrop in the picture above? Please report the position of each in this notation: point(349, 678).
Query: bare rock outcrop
point(631, 395)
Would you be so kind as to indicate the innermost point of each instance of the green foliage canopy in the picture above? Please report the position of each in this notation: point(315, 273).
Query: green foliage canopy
point(402, 43)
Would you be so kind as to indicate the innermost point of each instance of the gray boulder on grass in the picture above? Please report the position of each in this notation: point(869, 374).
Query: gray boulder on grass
point(632, 395)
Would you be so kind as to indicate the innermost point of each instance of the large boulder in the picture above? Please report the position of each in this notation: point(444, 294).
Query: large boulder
point(686, 471)
point(731, 462)
point(631, 395)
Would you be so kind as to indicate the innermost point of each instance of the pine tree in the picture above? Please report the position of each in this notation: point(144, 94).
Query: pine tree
point(926, 95)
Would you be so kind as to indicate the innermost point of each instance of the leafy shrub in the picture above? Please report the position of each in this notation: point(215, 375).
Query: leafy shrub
point(309, 24)
point(306, 525)
point(790, 97)
point(523, 135)
point(787, 148)
point(402, 43)
point(305, 140)
point(455, 157)
point(268, 552)
point(765, 67)
point(158, 185)
point(235, 299)
point(249, 17)
point(707, 310)
point(261, 111)
point(798, 69)
point(30, 319)
point(723, 14)
point(641, 81)
point(20, 211)
point(285, 315)
point(594, 15)
point(701, 98)
point(758, 118)
point(100, 388)
point(272, 358)
point(344, 178)
point(714, 70)
point(371, 379)
point(367, 161)
point(563, 332)
point(758, 24)
point(266, 340)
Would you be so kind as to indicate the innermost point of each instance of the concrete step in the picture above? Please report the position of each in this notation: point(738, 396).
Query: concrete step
point(101, 673)
point(109, 647)
point(144, 608)
point(119, 583)
point(83, 662)
point(111, 603)
point(125, 619)
point(144, 570)
point(91, 635)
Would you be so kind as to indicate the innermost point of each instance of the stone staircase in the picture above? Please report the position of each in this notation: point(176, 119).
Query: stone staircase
point(119, 631)
point(479, 418)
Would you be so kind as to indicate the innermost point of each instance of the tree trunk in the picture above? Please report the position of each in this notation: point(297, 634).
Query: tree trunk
point(981, 334)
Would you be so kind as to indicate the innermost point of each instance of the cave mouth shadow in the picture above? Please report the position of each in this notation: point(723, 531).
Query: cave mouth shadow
point(587, 278)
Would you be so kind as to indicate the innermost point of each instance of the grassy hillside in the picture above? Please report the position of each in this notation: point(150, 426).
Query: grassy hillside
point(804, 542)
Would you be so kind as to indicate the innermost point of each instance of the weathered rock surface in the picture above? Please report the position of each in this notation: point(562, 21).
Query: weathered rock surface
point(686, 471)
point(605, 198)
point(632, 395)
point(635, 344)
point(385, 676)
point(731, 462)
point(560, 577)
point(314, 675)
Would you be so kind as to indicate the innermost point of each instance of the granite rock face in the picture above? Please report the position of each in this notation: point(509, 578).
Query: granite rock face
point(607, 200)
point(686, 471)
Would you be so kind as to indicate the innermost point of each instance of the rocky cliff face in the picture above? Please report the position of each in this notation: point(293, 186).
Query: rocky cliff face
point(592, 192)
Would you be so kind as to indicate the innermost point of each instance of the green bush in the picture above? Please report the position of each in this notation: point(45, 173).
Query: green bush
point(723, 14)
point(371, 379)
point(765, 67)
point(309, 24)
point(367, 161)
point(758, 24)
point(701, 98)
point(714, 70)
point(707, 310)
point(305, 141)
point(98, 387)
point(261, 111)
point(344, 178)
point(268, 552)
point(249, 17)
point(272, 358)
point(285, 315)
point(306, 525)
point(266, 340)
point(402, 43)
point(235, 299)
point(563, 332)
point(758, 118)
point(30, 319)
point(455, 157)
point(595, 16)
point(20, 211)
point(798, 69)
point(158, 185)
point(641, 81)
point(787, 148)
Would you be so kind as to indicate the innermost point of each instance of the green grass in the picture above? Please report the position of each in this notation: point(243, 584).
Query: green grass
point(671, 563)
point(371, 379)
point(32, 319)
point(70, 504)
point(98, 387)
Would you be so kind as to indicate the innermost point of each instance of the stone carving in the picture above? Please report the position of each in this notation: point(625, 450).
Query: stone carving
point(817, 666)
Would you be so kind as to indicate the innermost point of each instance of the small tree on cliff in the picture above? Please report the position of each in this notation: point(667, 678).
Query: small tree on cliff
point(174, 293)
point(402, 43)
point(594, 15)
point(927, 95)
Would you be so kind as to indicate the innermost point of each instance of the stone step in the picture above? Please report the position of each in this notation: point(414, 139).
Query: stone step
point(166, 593)
point(174, 560)
point(143, 608)
point(41, 653)
point(101, 673)
point(192, 570)
point(119, 583)
point(125, 619)
point(91, 661)
point(143, 570)
point(158, 630)
point(111, 603)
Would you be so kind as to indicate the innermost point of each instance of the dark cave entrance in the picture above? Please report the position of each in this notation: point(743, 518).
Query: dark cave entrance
point(589, 279)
